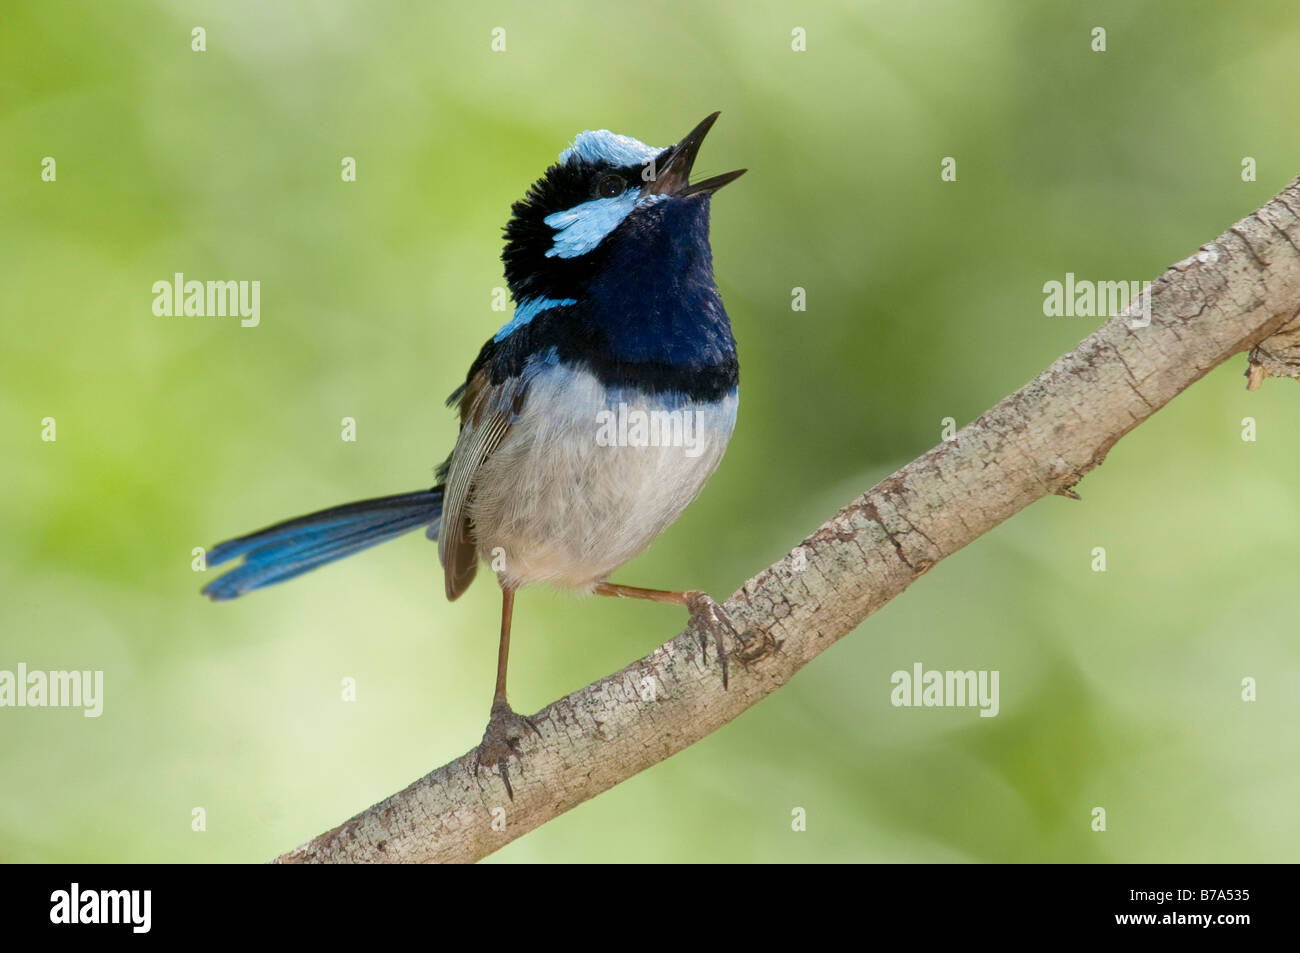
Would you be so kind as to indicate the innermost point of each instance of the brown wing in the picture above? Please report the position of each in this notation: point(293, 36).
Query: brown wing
point(485, 413)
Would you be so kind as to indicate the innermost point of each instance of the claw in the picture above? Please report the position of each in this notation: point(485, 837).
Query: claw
point(712, 618)
point(501, 741)
point(505, 779)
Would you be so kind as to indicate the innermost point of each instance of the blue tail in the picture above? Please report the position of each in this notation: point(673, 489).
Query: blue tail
point(300, 545)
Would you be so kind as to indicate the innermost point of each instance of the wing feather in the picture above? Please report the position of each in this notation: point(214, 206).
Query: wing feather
point(486, 413)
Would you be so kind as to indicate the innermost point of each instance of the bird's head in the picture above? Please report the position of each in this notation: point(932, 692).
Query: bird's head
point(606, 194)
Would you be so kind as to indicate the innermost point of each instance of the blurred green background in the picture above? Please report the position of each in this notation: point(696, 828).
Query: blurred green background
point(1118, 689)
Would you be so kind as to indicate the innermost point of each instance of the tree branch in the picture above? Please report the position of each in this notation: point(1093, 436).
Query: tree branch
point(1241, 291)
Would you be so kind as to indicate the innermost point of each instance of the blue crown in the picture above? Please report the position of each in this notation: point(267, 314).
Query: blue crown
point(601, 145)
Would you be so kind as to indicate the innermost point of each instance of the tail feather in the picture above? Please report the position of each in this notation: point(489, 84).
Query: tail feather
point(296, 546)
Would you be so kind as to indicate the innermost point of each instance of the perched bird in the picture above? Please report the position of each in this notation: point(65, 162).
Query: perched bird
point(617, 315)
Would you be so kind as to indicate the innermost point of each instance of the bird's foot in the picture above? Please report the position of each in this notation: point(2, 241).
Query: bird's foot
point(501, 741)
point(713, 620)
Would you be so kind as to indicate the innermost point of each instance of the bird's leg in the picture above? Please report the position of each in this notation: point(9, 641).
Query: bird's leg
point(710, 616)
point(505, 728)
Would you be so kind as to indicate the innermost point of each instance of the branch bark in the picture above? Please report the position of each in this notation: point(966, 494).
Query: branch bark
point(1240, 292)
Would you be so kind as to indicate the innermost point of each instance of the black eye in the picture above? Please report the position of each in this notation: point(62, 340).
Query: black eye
point(610, 185)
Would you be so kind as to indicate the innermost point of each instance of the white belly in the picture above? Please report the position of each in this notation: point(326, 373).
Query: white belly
point(557, 503)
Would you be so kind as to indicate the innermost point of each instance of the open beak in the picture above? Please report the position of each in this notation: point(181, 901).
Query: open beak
point(674, 177)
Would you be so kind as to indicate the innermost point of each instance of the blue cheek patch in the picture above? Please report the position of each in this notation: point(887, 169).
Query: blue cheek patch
point(528, 309)
point(580, 229)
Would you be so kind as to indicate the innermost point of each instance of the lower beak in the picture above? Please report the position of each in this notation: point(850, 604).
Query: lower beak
point(674, 177)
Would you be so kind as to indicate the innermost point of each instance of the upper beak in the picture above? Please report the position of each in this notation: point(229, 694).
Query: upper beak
point(674, 177)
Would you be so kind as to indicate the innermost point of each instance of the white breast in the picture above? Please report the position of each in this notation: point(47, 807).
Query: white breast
point(572, 492)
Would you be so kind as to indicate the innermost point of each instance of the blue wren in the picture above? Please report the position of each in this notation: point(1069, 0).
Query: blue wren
point(617, 314)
